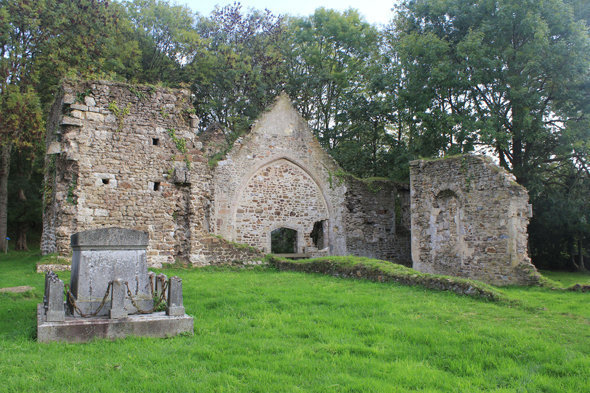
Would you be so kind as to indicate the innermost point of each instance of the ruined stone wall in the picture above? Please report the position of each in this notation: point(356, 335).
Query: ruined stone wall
point(279, 195)
point(370, 216)
point(278, 176)
point(132, 157)
point(469, 219)
point(114, 161)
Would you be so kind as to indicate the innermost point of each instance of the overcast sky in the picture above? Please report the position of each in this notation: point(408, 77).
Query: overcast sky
point(374, 11)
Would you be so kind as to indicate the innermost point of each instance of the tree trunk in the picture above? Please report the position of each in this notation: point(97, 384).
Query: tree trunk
point(21, 237)
point(4, 170)
point(573, 257)
point(23, 226)
point(581, 255)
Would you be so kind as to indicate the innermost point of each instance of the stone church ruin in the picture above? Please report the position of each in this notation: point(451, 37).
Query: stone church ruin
point(134, 157)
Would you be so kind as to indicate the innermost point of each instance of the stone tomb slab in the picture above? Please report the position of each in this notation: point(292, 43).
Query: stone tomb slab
point(82, 330)
point(103, 255)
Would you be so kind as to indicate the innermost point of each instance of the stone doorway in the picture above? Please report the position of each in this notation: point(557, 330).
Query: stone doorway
point(283, 241)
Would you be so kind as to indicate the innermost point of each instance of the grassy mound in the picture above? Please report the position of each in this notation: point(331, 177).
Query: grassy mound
point(376, 270)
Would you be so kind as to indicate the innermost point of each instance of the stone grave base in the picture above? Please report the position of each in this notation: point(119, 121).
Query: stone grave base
point(85, 329)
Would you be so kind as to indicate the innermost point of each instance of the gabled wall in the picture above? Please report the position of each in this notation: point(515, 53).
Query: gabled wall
point(279, 176)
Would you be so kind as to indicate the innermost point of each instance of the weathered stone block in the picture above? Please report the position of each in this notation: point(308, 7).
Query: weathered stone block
point(70, 121)
point(103, 255)
point(69, 99)
point(78, 107)
point(175, 305)
point(89, 101)
point(95, 116)
point(118, 291)
point(54, 293)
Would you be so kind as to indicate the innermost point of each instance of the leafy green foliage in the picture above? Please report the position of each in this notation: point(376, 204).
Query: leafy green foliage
point(326, 58)
point(180, 145)
point(119, 113)
point(25, 204)
point(164, 41)
point(510, 78)
point(238, 71)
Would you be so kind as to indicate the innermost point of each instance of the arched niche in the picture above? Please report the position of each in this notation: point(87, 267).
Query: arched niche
point(446, 234)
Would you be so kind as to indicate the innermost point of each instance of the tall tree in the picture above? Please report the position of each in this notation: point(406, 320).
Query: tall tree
point(238, 72)
point(506, 76)
point(166, 39)
point(325, 58)
point(40, 42)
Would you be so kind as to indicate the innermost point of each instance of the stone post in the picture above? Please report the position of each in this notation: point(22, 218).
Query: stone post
point(175, 306)
point(55, 299)
point(160, 280)
point(118, 300)
point(48, 277)
point(152, 282)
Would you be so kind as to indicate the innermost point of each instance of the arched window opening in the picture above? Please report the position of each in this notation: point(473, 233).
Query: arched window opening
point(317, 234)
point(283, 241)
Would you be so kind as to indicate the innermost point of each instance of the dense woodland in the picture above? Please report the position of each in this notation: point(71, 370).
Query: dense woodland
point(509, 78)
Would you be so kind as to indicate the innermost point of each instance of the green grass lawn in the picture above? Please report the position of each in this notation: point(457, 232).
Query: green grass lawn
point(260, 330)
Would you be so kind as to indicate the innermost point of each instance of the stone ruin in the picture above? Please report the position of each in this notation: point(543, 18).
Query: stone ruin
point(134, 157)
point(111, 294)
point(469, 219)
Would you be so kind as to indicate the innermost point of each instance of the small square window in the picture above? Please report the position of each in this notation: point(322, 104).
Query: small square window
point(105, 181)
point(157, 186)
point(155, 142)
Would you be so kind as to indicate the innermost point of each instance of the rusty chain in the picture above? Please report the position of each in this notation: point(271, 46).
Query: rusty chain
point(163, 284)
point(162, 297)
point(72, 300)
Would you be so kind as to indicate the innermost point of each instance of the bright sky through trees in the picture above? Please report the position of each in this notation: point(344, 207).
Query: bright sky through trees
point(375, 11)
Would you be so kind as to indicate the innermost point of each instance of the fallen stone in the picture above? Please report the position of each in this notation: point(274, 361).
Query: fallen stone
point(20, 289)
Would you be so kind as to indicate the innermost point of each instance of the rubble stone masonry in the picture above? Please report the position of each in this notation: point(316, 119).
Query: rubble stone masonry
point(134, 157)
point(469, 219)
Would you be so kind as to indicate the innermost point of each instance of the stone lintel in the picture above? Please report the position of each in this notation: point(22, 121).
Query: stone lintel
point(110, 238)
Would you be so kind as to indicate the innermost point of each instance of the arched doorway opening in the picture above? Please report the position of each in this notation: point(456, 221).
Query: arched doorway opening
point(283, 241)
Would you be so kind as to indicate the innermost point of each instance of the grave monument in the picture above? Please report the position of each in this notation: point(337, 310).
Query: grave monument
point(111, 294)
